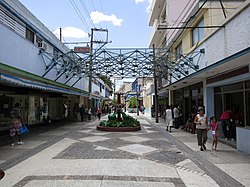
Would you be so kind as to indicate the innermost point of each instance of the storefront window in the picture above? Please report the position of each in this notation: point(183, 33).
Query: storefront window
point(248, 84)
point(218, 105)
point(232, 99)
point(35, 110)
point(178, 97)
point(217, 89)
point(56, 108)
point(233, 87)
point(5, 108)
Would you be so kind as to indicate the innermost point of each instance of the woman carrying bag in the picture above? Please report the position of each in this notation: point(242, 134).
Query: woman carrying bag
point(15, 124)
point(201, 128)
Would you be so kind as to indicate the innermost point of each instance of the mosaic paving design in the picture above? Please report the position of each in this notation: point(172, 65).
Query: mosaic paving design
point(87, 157)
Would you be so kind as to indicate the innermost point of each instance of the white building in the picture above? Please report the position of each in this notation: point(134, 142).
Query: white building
point(35, 69)
point(207, 66)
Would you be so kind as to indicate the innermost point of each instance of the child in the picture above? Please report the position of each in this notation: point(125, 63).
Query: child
point(214, 129)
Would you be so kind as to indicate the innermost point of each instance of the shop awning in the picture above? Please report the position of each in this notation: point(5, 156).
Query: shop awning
point(21, 82)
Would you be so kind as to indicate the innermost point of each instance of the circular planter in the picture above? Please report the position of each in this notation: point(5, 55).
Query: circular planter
point(118, 129)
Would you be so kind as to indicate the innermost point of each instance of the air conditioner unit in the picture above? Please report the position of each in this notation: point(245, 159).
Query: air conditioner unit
point(42, 45)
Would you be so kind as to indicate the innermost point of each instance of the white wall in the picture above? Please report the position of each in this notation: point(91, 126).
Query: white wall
point(24, 12)
point(229, 40)
point(18, 52)
point(226, 41)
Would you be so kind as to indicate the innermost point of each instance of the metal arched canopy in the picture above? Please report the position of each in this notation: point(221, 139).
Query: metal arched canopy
point(122, 63)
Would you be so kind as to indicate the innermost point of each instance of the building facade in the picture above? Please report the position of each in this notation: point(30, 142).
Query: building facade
point(208, 59)
point(30, 55)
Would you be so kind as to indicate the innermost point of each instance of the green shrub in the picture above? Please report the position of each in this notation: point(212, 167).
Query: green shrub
point(112, 116)
point(127, 121)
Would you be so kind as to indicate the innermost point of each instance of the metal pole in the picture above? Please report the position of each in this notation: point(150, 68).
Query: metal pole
point(137, 97)
point(223, 9)
point(156, 91)
point(90, 68)
point(60, 34)
point(114, 88)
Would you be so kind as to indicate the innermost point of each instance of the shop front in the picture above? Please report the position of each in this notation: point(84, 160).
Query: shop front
point(39, 101)
point(36, 106)
point(189, 99)
point(236, 98)
point(231, 91)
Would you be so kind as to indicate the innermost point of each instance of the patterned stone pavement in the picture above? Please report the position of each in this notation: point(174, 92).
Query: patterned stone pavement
point(79, 155)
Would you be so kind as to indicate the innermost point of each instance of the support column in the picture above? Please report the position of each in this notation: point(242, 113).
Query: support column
point(156, 88)
point(137, 97)
point(171, 97)
point(90, 69)
point(208, 99)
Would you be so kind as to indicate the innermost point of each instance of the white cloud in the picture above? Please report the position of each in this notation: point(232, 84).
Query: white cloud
point(139, 1)
point(143, 1)
point(149, 5)
point(71, 32)
point(98, 17)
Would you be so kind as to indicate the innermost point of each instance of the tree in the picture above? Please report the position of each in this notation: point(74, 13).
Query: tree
point(106, 80)
point(133, 103)
point(114, 102)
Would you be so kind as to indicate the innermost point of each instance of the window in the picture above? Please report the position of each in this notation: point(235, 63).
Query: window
point(233, 87)
point(248, 84)
point(198, 33)
point(39, 41)
point(217, 89)
point(10, 21)
point(100, 87)
point(178, 51)
point(30, 35)
point(55, 53)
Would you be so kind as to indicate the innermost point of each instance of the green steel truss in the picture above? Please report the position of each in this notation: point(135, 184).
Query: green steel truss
point(123, 63)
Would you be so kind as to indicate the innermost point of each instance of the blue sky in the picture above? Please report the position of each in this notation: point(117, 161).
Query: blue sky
point(126, 20)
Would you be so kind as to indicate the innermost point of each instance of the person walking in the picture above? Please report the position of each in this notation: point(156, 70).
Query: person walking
point(226, 121)
point(176, 117)
point(99, 113)
point(201, 128)
point(16, 124)
point(169, 118)
point(215, 131)
point(82, 113)
point(89, 114)
point(143, 109)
